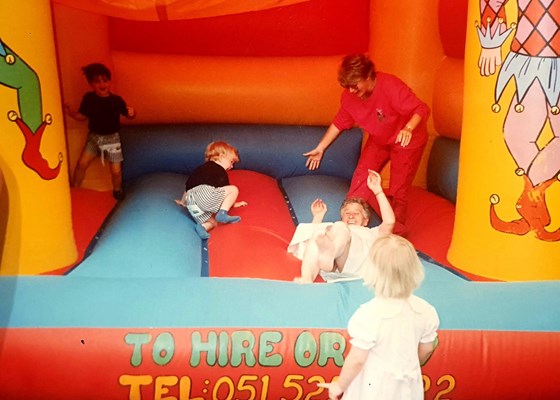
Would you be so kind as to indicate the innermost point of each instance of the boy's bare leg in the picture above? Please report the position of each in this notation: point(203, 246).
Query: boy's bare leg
point(116, 178)
point(116, 175)
point(210, 224)
point(80, 172)
point(203, 229)
point(231, 196)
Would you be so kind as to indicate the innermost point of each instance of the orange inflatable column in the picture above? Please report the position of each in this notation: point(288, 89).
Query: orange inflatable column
point(81, 38)
point(38, 233)
point(404, 41)
point(507, 223)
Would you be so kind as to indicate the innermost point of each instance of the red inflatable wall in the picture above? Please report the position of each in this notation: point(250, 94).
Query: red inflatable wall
point(258, 364)
point(313, 28)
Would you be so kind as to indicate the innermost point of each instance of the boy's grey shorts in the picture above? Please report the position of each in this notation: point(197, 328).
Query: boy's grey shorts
point(203, 201)
point(106, 146)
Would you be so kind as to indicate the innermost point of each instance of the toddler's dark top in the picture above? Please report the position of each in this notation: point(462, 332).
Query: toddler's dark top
point(103, 112)
point(209, 173)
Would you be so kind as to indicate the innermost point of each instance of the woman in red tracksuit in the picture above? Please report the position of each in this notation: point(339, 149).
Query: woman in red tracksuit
point(395, 121)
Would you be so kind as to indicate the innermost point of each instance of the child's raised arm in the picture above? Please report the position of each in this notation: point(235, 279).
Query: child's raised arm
point(387, 214)
point(318, 210)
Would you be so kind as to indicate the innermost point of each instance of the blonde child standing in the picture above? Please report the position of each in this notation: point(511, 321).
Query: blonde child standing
point(338, 250)
point(208, 194)
point(391, 335)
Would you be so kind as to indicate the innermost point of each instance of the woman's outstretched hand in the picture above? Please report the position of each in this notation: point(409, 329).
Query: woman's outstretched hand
point(313, 158)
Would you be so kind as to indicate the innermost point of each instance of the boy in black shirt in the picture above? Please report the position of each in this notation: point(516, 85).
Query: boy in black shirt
point(102, 109)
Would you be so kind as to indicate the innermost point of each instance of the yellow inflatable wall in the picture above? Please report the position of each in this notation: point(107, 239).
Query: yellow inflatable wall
point(37, 229)
point(507, 224)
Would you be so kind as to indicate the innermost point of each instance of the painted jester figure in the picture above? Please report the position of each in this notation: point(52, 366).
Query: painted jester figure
point(532, 64)
point(18, 75)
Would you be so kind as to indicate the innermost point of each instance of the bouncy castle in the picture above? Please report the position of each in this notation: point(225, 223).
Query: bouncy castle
point(122, 300)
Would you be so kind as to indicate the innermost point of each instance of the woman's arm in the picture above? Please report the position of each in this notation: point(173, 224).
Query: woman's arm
point(405, 134)
point(314, 156)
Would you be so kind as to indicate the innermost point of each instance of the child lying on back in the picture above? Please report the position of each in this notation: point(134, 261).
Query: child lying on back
point(338, 250)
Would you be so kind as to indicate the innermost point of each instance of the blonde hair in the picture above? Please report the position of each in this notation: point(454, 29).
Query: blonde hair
point(357, 200)
point(395, 270)
point(216, 149)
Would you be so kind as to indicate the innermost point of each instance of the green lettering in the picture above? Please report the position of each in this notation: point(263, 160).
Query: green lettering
point(266, 346)
point(242, 344)
point(164, 348)
point(305, 349)
point(198, 346)
point(137, 340)
point(332, 345)
point(223, 353)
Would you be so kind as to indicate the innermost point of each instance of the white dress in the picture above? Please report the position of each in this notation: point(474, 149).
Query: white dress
point(391, 330)
point(361, 240)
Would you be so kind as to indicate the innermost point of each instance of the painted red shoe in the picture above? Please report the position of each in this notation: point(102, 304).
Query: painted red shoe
point(532, 209)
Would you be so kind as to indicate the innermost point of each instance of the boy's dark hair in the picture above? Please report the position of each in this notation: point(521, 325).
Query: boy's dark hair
point(96, 69)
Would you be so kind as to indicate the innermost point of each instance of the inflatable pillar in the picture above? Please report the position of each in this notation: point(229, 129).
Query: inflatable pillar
point(38, 235)
point(507, 224)
point(407, 52)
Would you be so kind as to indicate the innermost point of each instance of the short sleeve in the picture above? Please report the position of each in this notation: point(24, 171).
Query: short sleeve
point(121, 105)
point(405, 100)
point(362, 330)
point(431, 326)
point(343, 119)
point(85, 105)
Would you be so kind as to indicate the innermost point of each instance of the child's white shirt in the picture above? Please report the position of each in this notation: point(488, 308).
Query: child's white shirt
point(391, 329)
